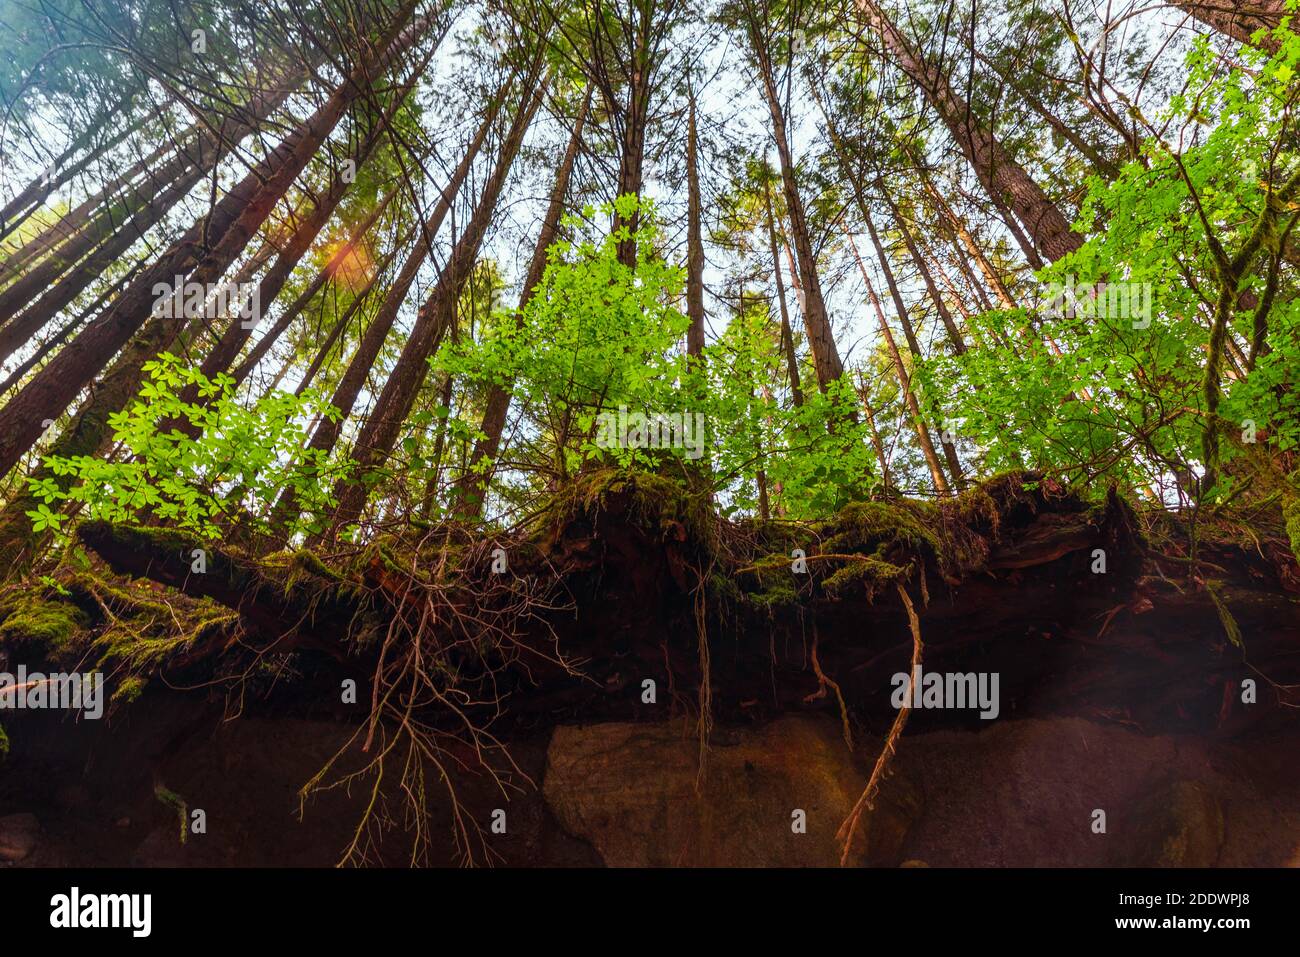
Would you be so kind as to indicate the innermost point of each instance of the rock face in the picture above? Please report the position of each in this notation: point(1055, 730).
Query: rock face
point(630, 791)
point(19, 835)
point(1178, 825)
point(1024, 793)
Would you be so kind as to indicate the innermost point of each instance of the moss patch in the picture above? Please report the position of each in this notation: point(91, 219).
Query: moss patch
point(869, 545)
point(656, 503)
point(49, 622)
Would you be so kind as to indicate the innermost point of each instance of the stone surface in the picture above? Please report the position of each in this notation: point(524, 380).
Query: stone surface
point(19, 835)
point(1022, 793)
point(1177, 825)
point(630, 791)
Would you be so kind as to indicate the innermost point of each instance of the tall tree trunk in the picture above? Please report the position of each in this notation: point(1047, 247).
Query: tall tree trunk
point(471, 492)
point(904, 380)
point(71, 326)
point(636, 114)
point(764, 502)
point(125, 183)
point(122, 220)
point(919, 260)
point(220, 358)
point(826, 358)
point(236, 219)
point(29, 199)
point(1099, 162)
point(909, 333)
point(340, 325)
point(787, 333)
point(694, 241)
point(327, 432)
point(304, 298)
point(842, 154)
point(1006, 181)
point(967, 273)
point(885, 480)
point(435, 317)
point(1239, 20)
point(1022, 240)
point(18, 329)
point(991, 275)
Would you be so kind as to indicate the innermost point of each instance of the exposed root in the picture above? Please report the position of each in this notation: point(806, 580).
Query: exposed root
point(434, 693)
point(865, 802)
point(824, 681)
point(705, 723)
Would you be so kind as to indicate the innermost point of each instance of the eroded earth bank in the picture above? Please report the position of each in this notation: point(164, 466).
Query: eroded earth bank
point(537, 698)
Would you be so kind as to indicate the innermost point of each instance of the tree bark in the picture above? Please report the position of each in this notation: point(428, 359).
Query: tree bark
point(636, 115)
point(235, 220)
point(904, 380)
point(826, 358)
point(327, 432)
point(120, 222)
point(29, 199)
point(336, 332)
point(223, 355)
point(1006, 181)
point(991, 275)
point(1099, 162)
point(787, 332)
point(694, 242)
point(379, 435)
point(471, 493)
point(918, 259)
point(1240, 20)
point(327, 272)
point(909, 333)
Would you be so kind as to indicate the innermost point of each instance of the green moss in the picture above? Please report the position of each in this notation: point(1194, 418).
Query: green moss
point(124, 644)
point(872, 544)
point(986, 502)
point(777, 590)
point(129, 690)
point(134, 602)
point(48, 622)
point(174, 800)
point(1291, 515)
point(880, 526)
point(4, 743)
point(656, 502)
point(871, 574)
point(145, 539)
point(308, 562)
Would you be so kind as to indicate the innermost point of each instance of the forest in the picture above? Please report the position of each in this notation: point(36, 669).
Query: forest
point(534, 433)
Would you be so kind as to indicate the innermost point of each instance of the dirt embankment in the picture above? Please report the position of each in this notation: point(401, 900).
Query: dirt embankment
point(435, 706)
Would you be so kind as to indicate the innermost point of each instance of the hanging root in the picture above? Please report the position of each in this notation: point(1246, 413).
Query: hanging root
point(705, 724)
point(824, 681)
point(851, 824)
point(435, 697)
